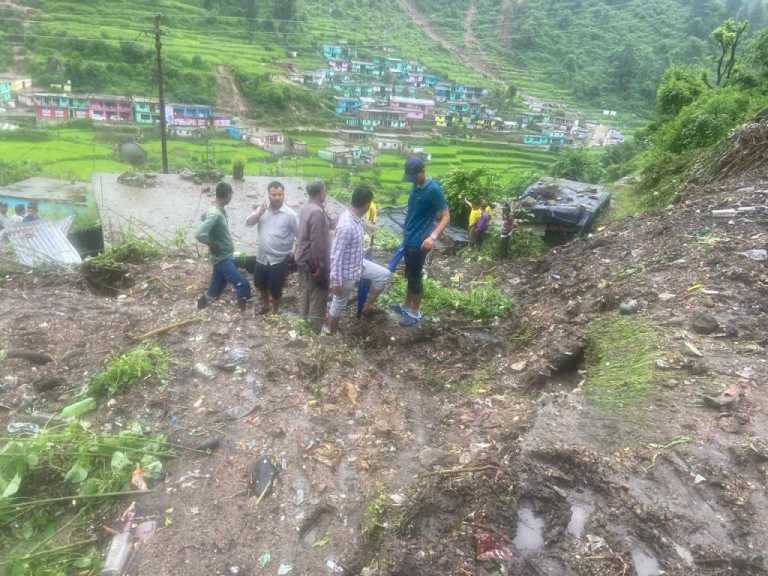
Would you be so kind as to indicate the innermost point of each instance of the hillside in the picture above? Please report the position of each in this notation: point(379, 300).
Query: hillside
point(601, 52)
point(595, 52)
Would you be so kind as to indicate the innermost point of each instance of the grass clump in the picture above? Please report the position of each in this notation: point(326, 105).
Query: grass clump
point(145, 362)
point(620, 361)
point(134, 250)
point(55, 488)
point(480, 303)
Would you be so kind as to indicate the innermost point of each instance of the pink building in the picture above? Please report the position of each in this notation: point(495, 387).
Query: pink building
point(110, 108)
point(415, 108)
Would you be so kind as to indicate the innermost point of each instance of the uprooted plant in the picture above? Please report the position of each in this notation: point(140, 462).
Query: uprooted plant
point(144, 362)
point(55, 483)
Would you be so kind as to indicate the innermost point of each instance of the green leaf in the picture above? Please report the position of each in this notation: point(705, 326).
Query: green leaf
point(76, 474)
point(120, 462)
point(153, 468)
point(12, 487)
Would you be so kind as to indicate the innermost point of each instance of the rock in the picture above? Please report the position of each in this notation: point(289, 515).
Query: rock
point(429, 456)
point(262, 477)
point(204, 371)
point(666, 296)
point(704, 323)
point(519, 366)
point(697, 367)
point(629, 307)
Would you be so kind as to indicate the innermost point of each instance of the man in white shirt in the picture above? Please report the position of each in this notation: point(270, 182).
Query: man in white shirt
point(277, 227)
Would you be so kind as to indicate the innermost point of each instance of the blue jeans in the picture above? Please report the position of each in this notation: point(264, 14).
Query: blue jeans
point(226, 272)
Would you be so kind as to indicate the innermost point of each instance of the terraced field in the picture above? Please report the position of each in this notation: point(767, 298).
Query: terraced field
point(75, 153)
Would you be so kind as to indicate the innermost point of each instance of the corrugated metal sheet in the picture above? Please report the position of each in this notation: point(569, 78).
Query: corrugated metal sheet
point(43, 243)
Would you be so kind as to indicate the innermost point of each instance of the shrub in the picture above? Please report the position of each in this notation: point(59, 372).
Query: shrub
point(578, 164)
point(478, 186)
point(679, 87)
point(706, 121)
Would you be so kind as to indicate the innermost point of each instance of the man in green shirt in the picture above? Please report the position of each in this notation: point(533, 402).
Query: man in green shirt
point(214, 233)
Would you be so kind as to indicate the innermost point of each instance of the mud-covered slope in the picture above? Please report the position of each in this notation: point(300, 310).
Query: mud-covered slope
point(527, 439)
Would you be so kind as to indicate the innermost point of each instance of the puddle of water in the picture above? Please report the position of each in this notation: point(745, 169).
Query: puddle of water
point(530, 530)
point(580, 513)
point(644, 563)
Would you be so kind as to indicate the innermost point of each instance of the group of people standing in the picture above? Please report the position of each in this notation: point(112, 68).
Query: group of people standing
point(330, 258)
point(21, 214)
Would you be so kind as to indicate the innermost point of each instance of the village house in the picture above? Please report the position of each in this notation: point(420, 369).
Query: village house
point(146, 110)
point(365, 68)
point(347, 155)
point(192, 132)
point(613, 138)
point(10, 85)
point(195, 115)
point(18, 83)
point(53, 107)
point(333, 52)
point(347, 105)
point(415, 108)
point(371, 119)
point(546, 138)
point(110, 108)
point(388, 145)
point(80, 107)
point(6, 95)
point(273, 142)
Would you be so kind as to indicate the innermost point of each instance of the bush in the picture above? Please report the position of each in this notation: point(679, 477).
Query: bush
point(706, 121)
point(478, 186)
point(577, 164)
point(679, 87)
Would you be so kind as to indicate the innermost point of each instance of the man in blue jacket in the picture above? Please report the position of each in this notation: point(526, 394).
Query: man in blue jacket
point(425, 221)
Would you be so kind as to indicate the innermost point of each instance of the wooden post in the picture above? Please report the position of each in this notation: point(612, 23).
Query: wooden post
point(163, 128)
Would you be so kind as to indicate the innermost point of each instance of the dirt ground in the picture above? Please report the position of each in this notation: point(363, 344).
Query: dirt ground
point(402, 452)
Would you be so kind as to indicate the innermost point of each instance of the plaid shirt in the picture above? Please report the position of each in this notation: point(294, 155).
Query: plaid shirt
point(347, 251)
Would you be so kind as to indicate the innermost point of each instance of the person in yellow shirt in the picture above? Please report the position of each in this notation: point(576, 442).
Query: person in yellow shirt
point(474, 215)
point(370, 219)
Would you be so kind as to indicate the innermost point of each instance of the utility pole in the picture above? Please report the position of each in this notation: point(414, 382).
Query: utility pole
point(163, 129)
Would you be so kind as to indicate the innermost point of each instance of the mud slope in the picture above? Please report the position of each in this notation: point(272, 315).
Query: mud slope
point(414, 452)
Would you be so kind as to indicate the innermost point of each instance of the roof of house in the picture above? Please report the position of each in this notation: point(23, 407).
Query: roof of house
point(178, 204)
point(413, 101)
point(39, 189)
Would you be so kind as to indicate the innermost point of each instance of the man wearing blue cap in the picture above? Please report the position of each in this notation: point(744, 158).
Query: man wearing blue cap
point(427, 217)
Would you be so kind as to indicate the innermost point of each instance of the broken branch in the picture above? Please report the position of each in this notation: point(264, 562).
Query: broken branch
point(165, 329)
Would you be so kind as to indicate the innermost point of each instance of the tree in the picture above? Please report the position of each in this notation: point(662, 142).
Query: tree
point(577, 164)
point(728, 36)
point(679, 87)
point(624, 66)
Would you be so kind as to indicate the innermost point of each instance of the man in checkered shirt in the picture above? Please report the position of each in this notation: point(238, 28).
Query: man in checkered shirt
point(348, 267)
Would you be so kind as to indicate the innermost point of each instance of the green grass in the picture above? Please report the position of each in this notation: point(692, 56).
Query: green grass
point(145, 362)
point(76, 153)
point(620, 361)
point(477, 303)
